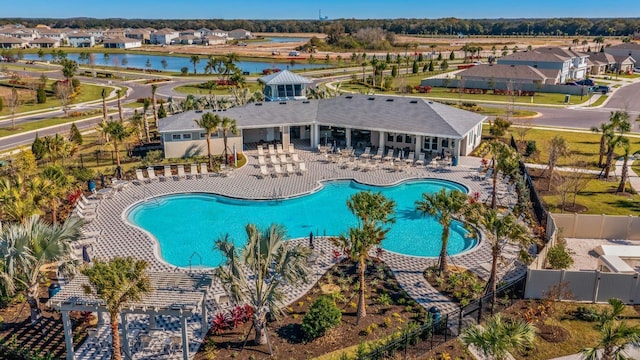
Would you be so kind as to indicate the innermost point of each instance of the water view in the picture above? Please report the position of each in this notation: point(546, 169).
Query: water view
point(175, 63)
point(283, 39)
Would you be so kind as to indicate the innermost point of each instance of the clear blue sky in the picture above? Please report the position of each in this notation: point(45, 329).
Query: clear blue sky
point(308, 9)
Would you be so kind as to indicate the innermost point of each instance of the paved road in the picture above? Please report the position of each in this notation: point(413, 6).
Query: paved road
point(626, 98)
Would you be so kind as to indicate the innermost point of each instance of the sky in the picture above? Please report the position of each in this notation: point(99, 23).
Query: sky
point(308, 9)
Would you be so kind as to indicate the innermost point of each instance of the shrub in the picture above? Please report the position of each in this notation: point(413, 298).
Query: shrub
point(531, 148)
point(184, 70)
point(83, 174)
point(559, 257)
point(322, 316)
point(74, 135)
point(41, 96)
point(384, 299)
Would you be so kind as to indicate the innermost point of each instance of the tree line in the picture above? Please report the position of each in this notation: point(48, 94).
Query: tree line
point(443, 26)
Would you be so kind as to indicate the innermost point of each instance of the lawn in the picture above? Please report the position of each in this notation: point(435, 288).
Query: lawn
point(600, 101)
point(191, 89)
point(35, 125)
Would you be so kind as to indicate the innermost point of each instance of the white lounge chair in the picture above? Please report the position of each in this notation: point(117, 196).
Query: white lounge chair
point(283, 159)
point(278, 169)
point(366, 153)
point(260, 150)
point(261, 161)
point(409, 160)
point(140, 177)
point(272, 150)
point(87, 208)
point(389, 156)
point(167, 173)
point(194, 171)
point(274, 160)
point(294, 158)
point(279, 149)
point(84, 216)
point(88, 201)
point(420, 161)
point(181, 174)
point(487, 175)
point(302, 168)
point(379, 154)
point(204, 170)
point(151, 173)
point(291, 149)
point(290, 169)
point(264, 171)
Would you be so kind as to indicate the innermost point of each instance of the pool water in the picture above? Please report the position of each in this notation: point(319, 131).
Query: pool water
point(186, 225)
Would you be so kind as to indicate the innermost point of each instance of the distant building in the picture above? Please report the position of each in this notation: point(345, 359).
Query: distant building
point(81, 40)
point(121, 43)
point(115, 33)
point(44, 43)
point(502, 73)
point(284, 85)
point(215, 40)
point(220, 33)
point(190, 32)
point(163, 36)
point(143, 35)
point(625, 49)
point(572, 65)
point(8, 42)
point(239, 34)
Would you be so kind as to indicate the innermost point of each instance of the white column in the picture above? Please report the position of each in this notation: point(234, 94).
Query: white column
point(347, 135)
point(68, 336)
point(458, 143)
point(381, 139)
point(315, 136)
point(100, 318)
point(185, 338)
point(419, 141)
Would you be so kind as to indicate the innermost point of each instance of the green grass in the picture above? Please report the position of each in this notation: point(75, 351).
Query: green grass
point(492, 111)
point(13, 67)
point(599, 197)
point(132, 105)
point(600, 101)
point(35, 125)
point(191, 89)
point(88, 92)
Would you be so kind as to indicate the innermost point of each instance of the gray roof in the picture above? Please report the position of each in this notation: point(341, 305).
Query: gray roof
point(534, 56)
point(284, 77)
point(601, 58)
point(119, 41)
point(378, 113)
point(11, 40)
point(625, 46)
point(504, 71)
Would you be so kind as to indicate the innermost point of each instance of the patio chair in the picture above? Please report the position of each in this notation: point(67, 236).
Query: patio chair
point(379, 154)
point(260, 150)
point(204, 170)
point(294, 158)
point(279, 149)
point(302, 168)
point(291, 149)
point(174, 344)
point(264, 171)
point(278, 169)
point(140, 178)
point(194, 171)
point(145, 343)
point(181, 174)
point(86, 208)
point(167, 173)
point(272, 150)
point(88, 201)
point(84, 216)
point(283, 159)
point(290, 169)
point(366, 153)
point(409, 160)
point(389, 156)
point(420, 160)
point(274, 160)
point(487, 175)
point(261, 161)
point(151, 173)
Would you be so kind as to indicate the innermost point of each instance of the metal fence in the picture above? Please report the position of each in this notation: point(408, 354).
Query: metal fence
point(536, 202)
point(437, 330)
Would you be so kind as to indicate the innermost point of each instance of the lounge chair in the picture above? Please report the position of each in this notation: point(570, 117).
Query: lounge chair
point(302, 168)
point(264, 171)
point(274, 160)
point(279, 149)
point(294, 158)
point(409, 160)
point(167, 173)
point(181, 174)
point(291, 149)
point(278, 169)
point(140, 177)
point(420, 161)
point(389, 156)
point(88, 201)
point(487, 175)
point(272, 150)
point(261, 161)
point(194, 171)
point(204, 170)
point(84, 216)
point(84, 207)
point(290, 169)
point(151, 173)
point(379, 154)
point(283, 159)
point(260, 150)
point(366, 153)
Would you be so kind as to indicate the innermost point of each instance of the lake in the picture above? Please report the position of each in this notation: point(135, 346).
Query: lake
point(175, 63)
point(282, 40)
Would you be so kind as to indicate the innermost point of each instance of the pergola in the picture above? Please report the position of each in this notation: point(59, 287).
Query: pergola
point(176, 294)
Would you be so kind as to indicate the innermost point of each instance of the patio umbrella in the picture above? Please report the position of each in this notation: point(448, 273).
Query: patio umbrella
point(85, 254)
point(311, 240)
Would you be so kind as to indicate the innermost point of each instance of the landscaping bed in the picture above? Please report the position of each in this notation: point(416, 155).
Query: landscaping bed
point(389, 309)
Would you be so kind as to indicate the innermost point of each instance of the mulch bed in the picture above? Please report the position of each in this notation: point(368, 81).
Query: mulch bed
point(286, 335)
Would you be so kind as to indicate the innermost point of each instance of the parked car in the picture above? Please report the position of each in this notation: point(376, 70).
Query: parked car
point(636, 70)
point(601, 88)
point(571, 83)
point(587, 82)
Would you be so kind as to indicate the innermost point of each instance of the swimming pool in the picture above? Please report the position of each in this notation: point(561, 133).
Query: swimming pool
point(186, 225)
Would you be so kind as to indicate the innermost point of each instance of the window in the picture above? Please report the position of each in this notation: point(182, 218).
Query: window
point(407, 139)
point(203, 135)
point(297, 89)
point(289, 90)
point(186, 136)
point(434, 143)
point(389, 137)
point(281, 91)
point(175, 137)
point(445, 143)
point(399, 138)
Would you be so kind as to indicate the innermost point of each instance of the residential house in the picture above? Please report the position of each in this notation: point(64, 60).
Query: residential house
point(350, 120)
point(8, 42)
point(215, 40)
point(284, 85)
point(602, 62)
point(81, 40)
point(56, 34)
point(571, 66)
point(143, 35)
point(190, 32)
point(121, 43)
point(44, 43)
point(625, 49)
point(503, 73)
point(18, 32)
point(163, 36)
point(579, 61)
point(188, 40)
point(219, 32)
point(239, 34)
point(204, 32)
point(115, 33)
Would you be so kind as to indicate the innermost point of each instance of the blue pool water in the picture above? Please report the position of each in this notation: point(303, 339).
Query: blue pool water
point(186, 225)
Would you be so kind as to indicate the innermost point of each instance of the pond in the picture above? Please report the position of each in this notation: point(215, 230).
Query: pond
point(282, 40)
point(175, 63)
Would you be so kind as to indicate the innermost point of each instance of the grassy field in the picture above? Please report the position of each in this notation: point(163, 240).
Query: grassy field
point(599, 197)
point(35, 125)
point(14, 67)
point(191, 89)
point(88, 92)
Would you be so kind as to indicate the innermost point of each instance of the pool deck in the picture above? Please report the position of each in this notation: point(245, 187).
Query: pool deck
point(118, 238)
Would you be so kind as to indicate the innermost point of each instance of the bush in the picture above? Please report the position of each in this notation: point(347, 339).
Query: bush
point(559, 257)
point(83, 174)
point(41, 96)
point(322, 316)
point(184, 70)
point(531, 148)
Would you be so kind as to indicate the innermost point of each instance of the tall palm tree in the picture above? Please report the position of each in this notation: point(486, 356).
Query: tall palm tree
point(26, 247)
point(615, 335)
point(620, 125)
point(499, 231)
point(445, 205)
point(558, 148)
point(500, 337)
point(374, 212)
point(117, 282)
point(103, 94)
point(57, 186)
point(119, 93)
point(117, 133)
point(256, 273)
point(145, 108)
point(195, 59)
point(227, 126)
point(210, 66)
point(624, 176)
point(603, 129)
point(209, 122)
point(154, 88)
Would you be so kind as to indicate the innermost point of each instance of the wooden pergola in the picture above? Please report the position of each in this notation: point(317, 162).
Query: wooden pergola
point(176, 294)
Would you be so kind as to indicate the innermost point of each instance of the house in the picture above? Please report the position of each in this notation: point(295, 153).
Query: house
point(81, 40)
point(571, 65)
point(625, 49)
point(139, 34)
point(204, 32)
point(18, 32)
point(115, 33)
point(8, 42)
point(239, 34)
point(350, 120)
point(215, 40)
point(44, 43)
point(502, 73)
point(190, 32)
point(188, 40)
point(55, 34)
point(163, 36)
point(602, 62)
point(219, 32)
point(284, 85)
point(121, 43)
point(624, 63)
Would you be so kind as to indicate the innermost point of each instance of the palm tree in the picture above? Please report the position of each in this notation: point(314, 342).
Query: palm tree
point(364, 67)
point(619, 121)
point(195, 59)
point(104, 104)
point(227, 125)
point(26, 247)
point(624, 176)
point(210, 66)
point(119, 93)
point(500, 337)
point(603, 129)
point(154, 88)
point(445, 205)
point(499, 231)
point(21, 198)
point(145, 108)
point(57, 186)
point(256, 274)
point(374, 212)
point(117, 133)
point(558, 148)
point(615, 335)
point(209, 122)
point(504, 160)
point(117, 282)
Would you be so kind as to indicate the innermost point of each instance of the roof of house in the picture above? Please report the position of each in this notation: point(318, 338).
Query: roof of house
point(560, 52)
point(601, 58)
point(187, 37)
point(505, 71)
point(377, 113)
point(625, 46)
point(44, 41)
point(139, 31)
point(164, 31)
point(624, 58)
point(284, 77)
point(79, 35)
point(11, 40)
point(534, 56)
point(119, 40)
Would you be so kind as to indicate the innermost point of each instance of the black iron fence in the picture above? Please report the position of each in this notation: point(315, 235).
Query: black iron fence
point(538, 207)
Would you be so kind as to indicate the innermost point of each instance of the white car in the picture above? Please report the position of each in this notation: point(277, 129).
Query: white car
point(636, 70)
